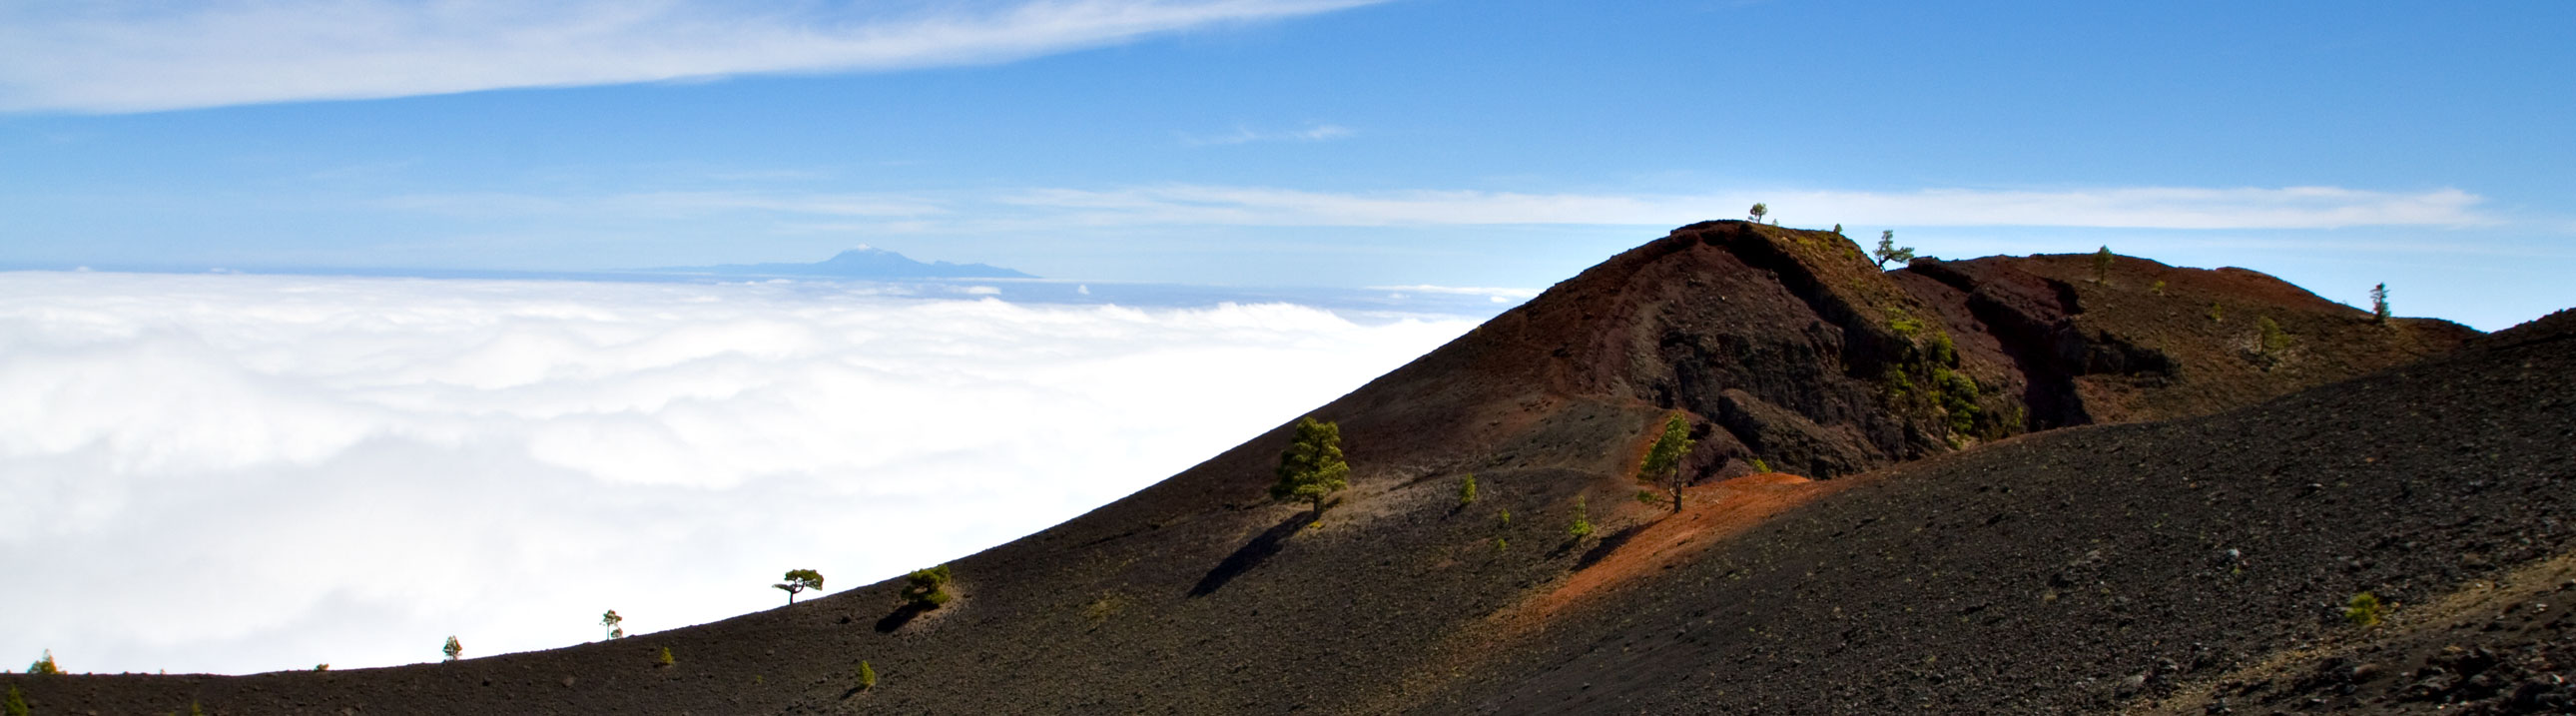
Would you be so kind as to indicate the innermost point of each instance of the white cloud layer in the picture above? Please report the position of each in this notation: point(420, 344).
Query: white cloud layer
point(244, 473)
point(132, 55)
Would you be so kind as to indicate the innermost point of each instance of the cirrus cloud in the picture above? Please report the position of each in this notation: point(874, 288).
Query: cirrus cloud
point(2117, 207)
point(2187, 208)
point(145, 56)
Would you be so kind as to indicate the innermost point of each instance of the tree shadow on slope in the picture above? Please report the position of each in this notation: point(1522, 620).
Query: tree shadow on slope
point(1603, 548)
point(901, 616)
point(1253, 553)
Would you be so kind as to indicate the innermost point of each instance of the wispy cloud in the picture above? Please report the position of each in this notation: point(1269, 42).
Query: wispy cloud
point(669, 203)
point(2128, 207)
point(1204, 205)
point(135, 55)
point(1247, 135)
point(258, 448)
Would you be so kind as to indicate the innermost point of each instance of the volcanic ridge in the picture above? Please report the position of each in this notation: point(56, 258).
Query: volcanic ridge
point(2040, 484)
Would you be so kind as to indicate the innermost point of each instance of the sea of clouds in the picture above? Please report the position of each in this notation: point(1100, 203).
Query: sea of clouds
point(231, 473)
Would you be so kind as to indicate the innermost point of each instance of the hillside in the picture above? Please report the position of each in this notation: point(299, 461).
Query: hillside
point(1920, 551)
point(2125, 566)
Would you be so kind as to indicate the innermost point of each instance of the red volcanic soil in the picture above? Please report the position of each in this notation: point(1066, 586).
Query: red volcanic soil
point(1936, 561)
point(1661, 539)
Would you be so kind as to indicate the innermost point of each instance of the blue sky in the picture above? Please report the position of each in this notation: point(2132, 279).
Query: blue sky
point(257, 447)
point(1293, 142)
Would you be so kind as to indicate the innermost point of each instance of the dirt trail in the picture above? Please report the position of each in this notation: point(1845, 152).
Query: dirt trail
point(1711, 513)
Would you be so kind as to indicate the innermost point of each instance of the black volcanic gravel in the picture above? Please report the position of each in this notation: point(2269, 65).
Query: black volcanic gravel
point(2085, 569)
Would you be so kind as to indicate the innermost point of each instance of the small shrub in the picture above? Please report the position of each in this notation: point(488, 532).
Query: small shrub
point(756, 680)
point(867, 676)
point(2217, 314)
point(1897, 384)
point(2157, 288)
point(1649, 498)
point(1760, 466)
point(45, 666)
point(927, 587)
point(453, 650)
point(1941, 350)
point(324, 666)
point(2274, 340)
point(665, 658)
point(1108, 605)
point(1506, 517)
point(196, 709)
point(1905, 325)
point(1582, 526)
point(1502, 544)
point(16, 704)
point(2363, 610)
point(1467, 490)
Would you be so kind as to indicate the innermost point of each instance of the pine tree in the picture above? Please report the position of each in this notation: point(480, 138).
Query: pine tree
point(453, 650)
point(1888, 251)
point(867, 676)
point(1758, 211)
point(799, 580)
point(2379, 303)
point(1311, 469)
point(2102, 266)
point(1467, 490)
point(615, 624)
point(1664, 460)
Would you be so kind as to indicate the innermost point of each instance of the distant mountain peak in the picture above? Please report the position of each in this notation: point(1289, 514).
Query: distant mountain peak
point(860, 262)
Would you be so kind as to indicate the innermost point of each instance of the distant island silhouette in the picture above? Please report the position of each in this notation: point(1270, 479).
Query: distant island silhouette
point(863, 262)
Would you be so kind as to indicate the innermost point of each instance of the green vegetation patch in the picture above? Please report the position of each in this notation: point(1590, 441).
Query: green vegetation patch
point(2362, 610)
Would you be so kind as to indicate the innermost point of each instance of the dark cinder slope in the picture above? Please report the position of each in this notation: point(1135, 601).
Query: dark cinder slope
point(2117, 566)
point(1198, 595)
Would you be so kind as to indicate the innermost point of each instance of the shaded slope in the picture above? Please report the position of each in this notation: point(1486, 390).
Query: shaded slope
point(1198, 595)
